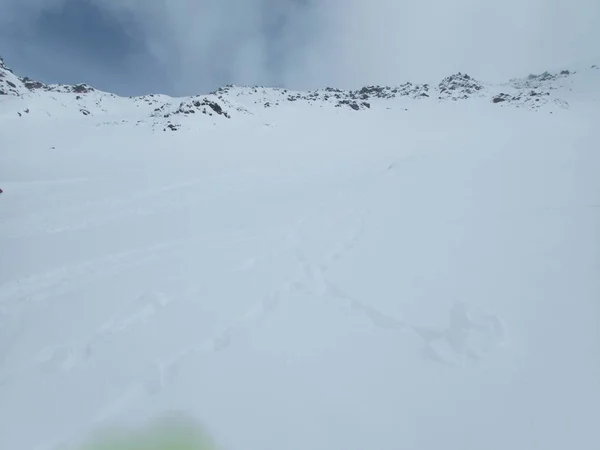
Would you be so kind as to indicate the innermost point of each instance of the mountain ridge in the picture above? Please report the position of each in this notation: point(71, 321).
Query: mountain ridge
point(534, 92)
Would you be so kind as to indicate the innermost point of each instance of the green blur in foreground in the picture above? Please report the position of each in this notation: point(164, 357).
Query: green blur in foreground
point(164, 434)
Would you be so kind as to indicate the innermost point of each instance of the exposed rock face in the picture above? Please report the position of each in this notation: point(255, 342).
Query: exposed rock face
point(459, 87)
point(10, 84)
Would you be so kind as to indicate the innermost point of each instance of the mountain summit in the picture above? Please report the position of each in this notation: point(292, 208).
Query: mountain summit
point(11, 84)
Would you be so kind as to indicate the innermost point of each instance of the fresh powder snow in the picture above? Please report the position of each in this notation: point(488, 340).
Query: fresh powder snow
point(409, 267)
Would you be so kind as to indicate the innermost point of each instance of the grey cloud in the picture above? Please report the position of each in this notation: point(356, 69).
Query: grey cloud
point(201, 44)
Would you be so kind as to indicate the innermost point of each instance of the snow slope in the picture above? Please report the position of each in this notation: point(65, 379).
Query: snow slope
point(418, 274)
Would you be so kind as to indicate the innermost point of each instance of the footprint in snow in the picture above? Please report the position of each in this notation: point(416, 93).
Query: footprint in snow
point(63, 357)
point(472, 334)
point(138, 311)
point(248, 264)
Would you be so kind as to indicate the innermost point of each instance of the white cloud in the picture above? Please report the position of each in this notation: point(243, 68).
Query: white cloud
point(390, 41)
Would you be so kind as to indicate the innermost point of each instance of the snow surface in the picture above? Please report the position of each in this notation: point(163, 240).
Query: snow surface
point(419, 275)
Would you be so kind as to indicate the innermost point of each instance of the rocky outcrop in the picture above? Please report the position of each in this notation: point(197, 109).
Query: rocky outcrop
point(10, 84)
point(459, 87)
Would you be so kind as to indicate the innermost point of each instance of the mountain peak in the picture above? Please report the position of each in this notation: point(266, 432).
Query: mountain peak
point(2, 65)
point(11, 84)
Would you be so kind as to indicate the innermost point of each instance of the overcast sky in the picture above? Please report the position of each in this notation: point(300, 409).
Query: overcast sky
point(184, 47)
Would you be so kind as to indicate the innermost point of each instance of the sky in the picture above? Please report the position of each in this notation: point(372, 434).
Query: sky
point(185, 47)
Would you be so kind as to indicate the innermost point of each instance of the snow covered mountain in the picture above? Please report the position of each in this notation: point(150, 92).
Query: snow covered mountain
point(549, 91)
point(393, 267)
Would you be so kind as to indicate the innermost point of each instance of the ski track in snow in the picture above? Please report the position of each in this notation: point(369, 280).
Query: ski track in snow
point(471, 333)
point(18, 295)
point(37, 288)
point(108, 210)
